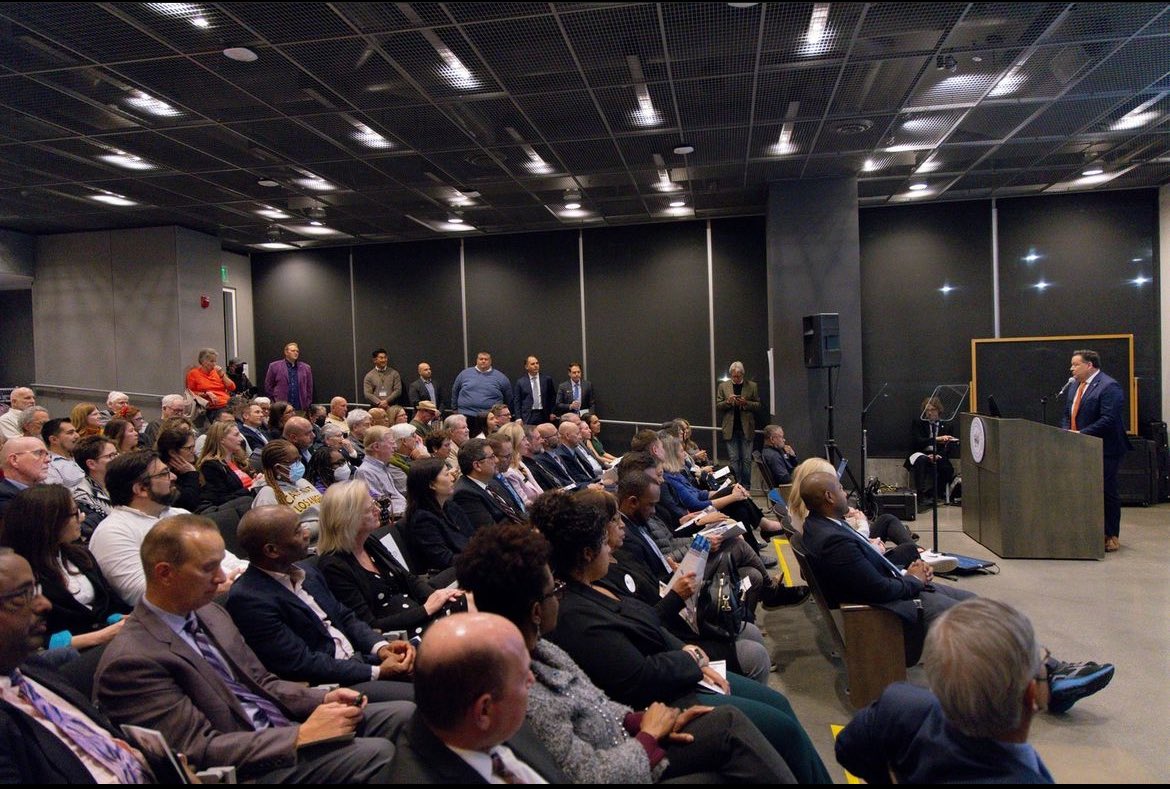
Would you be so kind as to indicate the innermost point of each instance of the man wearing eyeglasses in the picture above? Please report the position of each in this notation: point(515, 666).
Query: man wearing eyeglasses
point(142, 490)
point(49, 733)
point(25, 462)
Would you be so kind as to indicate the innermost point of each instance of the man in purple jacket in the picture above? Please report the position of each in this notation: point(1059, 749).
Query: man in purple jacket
point(290, 379)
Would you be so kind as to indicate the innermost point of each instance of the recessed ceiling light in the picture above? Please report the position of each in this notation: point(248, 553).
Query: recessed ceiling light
point(316, 223)
point(1042, 285)
point(455, 217)
point(312, 230)
point(1094, 170)
point(677, 203)
point(316, 184)
point(240, 54)
point(370, 138)
point(112, 199)
point(126, 161)
point(1141, 279)
point(269, 212)
point(684, 149)
point(918, 187)
point(817, 23)
point(147, 103)
point(268, 182)
point(946, 288)
point(274, 245)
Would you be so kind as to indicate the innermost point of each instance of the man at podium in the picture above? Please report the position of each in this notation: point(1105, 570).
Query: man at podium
point(1096, 408)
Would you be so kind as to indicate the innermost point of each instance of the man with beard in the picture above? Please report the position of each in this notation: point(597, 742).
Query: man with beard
point(142, 489)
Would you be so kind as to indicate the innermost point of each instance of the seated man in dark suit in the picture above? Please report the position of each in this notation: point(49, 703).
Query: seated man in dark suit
point(972, 725)
point(32, 693)
point(472, 678)
point(778, 455)
point(297, 627)
point(180, 666)
point(544, 454)
point(569, 436)
point(850, 571)
point(475, 492)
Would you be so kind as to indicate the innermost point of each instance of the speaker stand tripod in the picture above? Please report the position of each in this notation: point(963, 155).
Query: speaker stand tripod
point(832, 451)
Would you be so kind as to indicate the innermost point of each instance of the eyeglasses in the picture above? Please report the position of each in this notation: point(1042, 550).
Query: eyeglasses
point(164, 473)
point(37, 453)
point(21, 598)
point(558, 591)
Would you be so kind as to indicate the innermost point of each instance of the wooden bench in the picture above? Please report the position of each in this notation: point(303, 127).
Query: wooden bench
point(868, 639)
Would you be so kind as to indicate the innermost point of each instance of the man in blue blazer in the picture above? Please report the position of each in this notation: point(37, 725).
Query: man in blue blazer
point(296, 626)
point(534, 396)
point(972, 725)
point(1097, 408)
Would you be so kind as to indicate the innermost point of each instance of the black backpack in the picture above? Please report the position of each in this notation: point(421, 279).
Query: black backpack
point(719, 611)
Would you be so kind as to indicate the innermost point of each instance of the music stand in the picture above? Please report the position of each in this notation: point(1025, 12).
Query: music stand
point(949, 399)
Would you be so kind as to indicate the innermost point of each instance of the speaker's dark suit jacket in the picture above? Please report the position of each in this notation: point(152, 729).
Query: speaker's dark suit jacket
point(418, 392)
point(523, 399)
point(290, 639)
point(905, 731)
point(565, 397)
point(30, 753)
point(422, 758)
point(1101, 414)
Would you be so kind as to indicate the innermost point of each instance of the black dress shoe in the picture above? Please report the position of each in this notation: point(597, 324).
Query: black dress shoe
point(777, 595)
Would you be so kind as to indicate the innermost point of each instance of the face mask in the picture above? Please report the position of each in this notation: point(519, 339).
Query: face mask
point(342, 473)
point(296, 471)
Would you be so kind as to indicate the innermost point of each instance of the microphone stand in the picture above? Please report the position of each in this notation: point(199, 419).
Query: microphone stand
point(865, 450)
point(934, 425)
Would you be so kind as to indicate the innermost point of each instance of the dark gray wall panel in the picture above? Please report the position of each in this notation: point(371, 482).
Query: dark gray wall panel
point(917, 337)
point(524, 296)
point(407, 300)
point(1089, 248)
point(740, 268)
point(17, 366)
point(304, 297)
point(646, 321)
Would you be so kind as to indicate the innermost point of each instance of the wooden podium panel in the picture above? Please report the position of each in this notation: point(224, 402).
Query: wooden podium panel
point(1036, 493)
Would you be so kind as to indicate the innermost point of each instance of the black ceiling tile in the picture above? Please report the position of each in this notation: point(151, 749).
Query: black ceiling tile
point(505, 194)
point(1016, 156)
point(775, 170)
point(353, 132)
point(214, 97)
point(589, 155)
point(723, 101)
point(980, 179)
point(24, 128)
point(811, 88)
point(188, 27)
point(1089, 21)
point(284, 22)
point(423, 128)
point(290, 140)
point(878, 187)
point(851, 134)
point(445, 66)
point(626, 113)
point(897, 28)
point(163, 151)
point(468, 166)
point(489, 120)
point(355, 71)
point(352, 174)
point(220, 142)
point(786, 29)
point(369, 17)
point(604, 39)
point(40, 164)
point(410, 169)
point(956, 158)
point(1141, 61)
point(22, 50)
point(876, 85)
point(1065, 117)
point(993, 25)
point(967, 83)
point(717, 145)
point(564, 116)
point(921, 129)
point(196, 190)
point(87, 29)
point(993, 121)
point(45, 103)
point(833, 166)
point(528, 55)
point(705, 39)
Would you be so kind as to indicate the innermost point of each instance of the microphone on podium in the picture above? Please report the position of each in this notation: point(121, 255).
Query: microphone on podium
point(1064, 388)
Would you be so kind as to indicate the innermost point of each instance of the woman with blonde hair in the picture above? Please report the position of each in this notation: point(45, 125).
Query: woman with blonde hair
point(222, 464)
point(364, 575)
point(518, 473)
point(87, 419)
point(396, 415)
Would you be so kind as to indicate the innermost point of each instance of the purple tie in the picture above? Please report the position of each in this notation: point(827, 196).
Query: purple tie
point(266, 714)
point(117, 760)
point(501, 771)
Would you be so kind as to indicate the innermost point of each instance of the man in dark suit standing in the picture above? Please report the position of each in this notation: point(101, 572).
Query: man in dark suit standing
point(476, 492)
point(471, 683)
point(181, 666)
point(533, 395)
point(1097, 408)
point(574, 394)
point(295, 625)
point(32, 752)
point(426, 388)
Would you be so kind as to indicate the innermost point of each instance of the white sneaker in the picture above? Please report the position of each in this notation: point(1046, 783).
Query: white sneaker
point(938, 562)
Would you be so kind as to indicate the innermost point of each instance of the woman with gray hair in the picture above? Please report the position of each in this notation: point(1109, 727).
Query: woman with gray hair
point(208, 382)
point(737, 400)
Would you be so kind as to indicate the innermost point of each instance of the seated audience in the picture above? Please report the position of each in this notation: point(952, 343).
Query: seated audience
point(396, 415)
point(174, 406)
point(300, 432)
point(621, 645)
point(338, 409)
point(530, 455)
point(593, 739)
point(42, 524)
point(364, 573)
point(32, 420)
point(208, 381)
point(518, 474)
point(593, 440)
point(471, 686)
point(115, 402)
point(251, 425)
point(93, 453)
point(476, 492)
point(24, 462)
point(378, 417)
point(434, 527)
point(142, 490)
point(986, 676)
point(244, 385)
point(84, 747)
point(60, 436)
point(122, 433)
point(849, 571)
point(86, 418)
point(283, 482)
point(176, 448)
point(778, 455)
point(565, 472)
point(222, 465)
point(384, 478)
point(426, 416)
point(278, 414)
point(295, 625)
point(582, 468)
point(457, 427)
point(21, 398)
point(326, 467)
point(180, 656)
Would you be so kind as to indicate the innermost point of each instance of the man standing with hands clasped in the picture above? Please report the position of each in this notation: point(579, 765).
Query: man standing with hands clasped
point(1096, 407)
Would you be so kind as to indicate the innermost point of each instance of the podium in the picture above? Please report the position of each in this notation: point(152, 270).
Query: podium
point(1030, 490)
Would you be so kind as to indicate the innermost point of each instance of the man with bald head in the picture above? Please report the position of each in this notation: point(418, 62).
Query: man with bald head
point(338, 409)
point(299, 432)
point(180, 666)
point(567, 451)
point(25, 462)
point(848, 570)
point(546, 456)
point(22, 397)
point(472, 678)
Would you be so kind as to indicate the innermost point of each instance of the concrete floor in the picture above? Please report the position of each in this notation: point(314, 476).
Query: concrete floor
point(1116, 610)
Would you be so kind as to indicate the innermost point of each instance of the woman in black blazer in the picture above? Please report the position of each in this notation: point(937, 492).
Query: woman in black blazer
point(42, 525)
point(223, 465)
point(621, 645)
point(364, 575)
point(434, 527)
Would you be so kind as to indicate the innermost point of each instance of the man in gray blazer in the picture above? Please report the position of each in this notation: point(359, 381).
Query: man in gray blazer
point(180, 666)
point(736, 401)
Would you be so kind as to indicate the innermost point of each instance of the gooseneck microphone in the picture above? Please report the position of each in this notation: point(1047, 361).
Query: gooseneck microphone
point(1067, 384)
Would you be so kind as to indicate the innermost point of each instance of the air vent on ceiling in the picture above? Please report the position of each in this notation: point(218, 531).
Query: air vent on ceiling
point(854, 127)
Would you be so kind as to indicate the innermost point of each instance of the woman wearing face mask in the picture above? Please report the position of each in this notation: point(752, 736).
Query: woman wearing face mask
point(285, 484)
